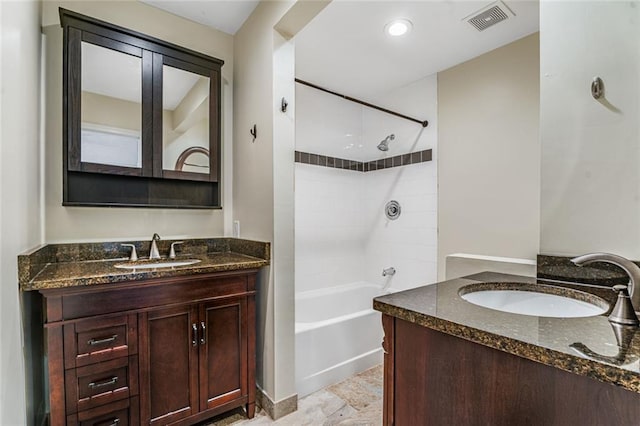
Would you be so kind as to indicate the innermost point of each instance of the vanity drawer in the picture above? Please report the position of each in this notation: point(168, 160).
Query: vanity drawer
point(99, 339)
point(111, 299)
point(100, 384)
point(121, 413)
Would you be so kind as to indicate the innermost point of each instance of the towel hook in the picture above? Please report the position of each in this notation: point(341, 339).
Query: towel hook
point(597, 88)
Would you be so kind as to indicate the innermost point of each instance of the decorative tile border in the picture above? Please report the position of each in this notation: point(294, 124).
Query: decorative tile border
point(369, 166)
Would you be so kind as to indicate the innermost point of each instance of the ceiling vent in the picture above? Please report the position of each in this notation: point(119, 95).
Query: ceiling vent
point(489, 15)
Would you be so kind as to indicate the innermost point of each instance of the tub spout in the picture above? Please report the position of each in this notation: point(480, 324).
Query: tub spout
point(388, 271)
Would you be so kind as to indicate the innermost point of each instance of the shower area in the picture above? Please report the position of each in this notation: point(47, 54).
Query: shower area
point(365, 220)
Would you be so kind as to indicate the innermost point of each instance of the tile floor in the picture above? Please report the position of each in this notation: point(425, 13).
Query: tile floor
point(356, 401)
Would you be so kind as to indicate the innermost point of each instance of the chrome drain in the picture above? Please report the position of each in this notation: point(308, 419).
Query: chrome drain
point(392, 210)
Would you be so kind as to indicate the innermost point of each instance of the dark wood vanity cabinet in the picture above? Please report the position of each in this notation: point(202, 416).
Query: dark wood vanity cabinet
point(433, 378)
point(157, 352)
point(194, 359)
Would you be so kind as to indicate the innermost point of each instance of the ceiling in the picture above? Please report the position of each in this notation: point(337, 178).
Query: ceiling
point(346, 49)
point(224, 15)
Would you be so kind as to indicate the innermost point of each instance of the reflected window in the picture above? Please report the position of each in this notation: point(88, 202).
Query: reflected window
point(111, 107)
point(116, 147)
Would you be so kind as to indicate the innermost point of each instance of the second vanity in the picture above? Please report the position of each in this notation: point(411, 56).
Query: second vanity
point(448, 361)
point(129, 346)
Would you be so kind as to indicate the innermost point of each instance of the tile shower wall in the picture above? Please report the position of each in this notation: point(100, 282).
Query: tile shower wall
point(341, 232)
point(329, 230)
point(409, 243)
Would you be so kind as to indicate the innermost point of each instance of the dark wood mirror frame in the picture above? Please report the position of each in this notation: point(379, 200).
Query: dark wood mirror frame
point(91, 184)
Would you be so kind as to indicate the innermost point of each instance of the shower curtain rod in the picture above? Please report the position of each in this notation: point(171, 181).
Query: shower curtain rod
point(424, 123)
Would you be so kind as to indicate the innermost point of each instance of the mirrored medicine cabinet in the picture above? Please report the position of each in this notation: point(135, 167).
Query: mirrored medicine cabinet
point(141, 119)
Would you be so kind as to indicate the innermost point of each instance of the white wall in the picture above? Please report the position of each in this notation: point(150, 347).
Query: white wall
point(489, 163)
point(19, 188)
point(283, 214)
point(263, 177)
point(255, 197)
point(80, 223)
point(590, 149)
point(342, 235)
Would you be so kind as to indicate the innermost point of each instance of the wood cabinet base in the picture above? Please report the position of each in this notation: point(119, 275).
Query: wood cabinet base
point(432, 378)
point(172, 351)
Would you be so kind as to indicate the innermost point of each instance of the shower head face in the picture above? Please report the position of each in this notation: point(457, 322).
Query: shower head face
point(383, 146)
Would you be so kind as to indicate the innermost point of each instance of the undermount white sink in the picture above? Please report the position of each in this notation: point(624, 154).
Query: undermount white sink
point(539, 301)
point(158, 264)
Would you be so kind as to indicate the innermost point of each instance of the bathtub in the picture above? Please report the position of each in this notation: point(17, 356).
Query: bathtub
point(338, 334)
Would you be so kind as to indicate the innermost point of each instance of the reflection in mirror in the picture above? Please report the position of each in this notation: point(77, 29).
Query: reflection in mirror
point(193, 159)
point(111, 107)
point(185, 119)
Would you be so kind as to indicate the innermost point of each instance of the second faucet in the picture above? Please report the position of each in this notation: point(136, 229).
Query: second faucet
point(153, 252)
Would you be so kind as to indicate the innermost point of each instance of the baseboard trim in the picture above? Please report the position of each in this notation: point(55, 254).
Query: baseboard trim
point(279, 409)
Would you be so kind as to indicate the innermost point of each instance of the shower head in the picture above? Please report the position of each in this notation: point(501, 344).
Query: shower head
point(384, 145)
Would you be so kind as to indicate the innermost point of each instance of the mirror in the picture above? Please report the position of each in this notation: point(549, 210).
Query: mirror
point(141, 119)
point(185, 121)
point(111, 107)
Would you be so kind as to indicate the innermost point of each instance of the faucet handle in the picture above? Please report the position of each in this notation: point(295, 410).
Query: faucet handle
point(622, 312)
point(134, 254)
point(155, 237)
point(172, 251)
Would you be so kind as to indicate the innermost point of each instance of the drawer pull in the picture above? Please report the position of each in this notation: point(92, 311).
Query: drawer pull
point(194, 334)
point(114, 422)
point(203, 329)
point(94, 342)
point(111, 381)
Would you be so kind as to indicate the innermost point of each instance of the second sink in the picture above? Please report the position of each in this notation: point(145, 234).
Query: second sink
point(158, 264)
point(536, 300)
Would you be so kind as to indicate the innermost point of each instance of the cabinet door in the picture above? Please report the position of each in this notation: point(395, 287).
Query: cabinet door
point(223, 352)
point(168, 364)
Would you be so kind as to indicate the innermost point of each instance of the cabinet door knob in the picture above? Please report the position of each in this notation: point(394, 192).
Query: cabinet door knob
point(194, 334)
point(203, 336)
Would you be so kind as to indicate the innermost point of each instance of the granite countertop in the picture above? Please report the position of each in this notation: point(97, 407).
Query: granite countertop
point(67, 265)
point(585, 346)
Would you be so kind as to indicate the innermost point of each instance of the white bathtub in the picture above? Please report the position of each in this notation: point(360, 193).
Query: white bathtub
point(338, 334)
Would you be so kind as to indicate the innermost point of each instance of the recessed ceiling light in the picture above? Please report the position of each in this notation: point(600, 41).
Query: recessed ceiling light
point(398, 27)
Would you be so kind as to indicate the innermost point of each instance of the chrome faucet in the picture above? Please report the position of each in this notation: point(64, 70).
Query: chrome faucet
point(632, 270)
point(172, 251)
point(153, 252)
